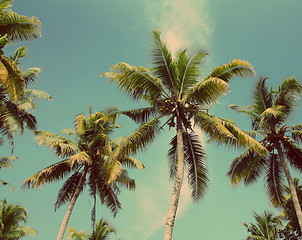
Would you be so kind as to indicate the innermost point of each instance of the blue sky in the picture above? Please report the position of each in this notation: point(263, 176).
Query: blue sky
point(82, 39)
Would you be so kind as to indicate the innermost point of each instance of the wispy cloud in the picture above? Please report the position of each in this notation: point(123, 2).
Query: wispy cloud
point(182, 23)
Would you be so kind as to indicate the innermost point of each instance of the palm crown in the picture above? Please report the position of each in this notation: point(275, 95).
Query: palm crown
point(269, 114)
point(175, 91)
point(92, 159)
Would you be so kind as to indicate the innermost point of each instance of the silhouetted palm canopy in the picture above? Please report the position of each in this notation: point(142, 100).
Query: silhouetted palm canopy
point(12, 220)
point(176, 93)
point(269, 113)
point(93, 159)
point(266, 227)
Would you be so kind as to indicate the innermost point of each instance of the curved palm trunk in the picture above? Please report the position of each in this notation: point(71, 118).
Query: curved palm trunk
point(170, 219)
point(291, 186)
point(71, 205)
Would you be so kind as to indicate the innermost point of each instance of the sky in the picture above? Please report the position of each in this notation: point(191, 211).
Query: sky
point(82, 39)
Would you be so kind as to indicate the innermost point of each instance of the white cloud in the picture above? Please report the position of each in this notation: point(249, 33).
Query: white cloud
point(182, 23)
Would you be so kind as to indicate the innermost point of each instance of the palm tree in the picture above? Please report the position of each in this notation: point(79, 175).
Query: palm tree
point(269, 114)
point(101, 231)
point(17, 100)
point(93, 159)
point(266, 227)
point(6, 162)
point(175, 91)
point(11, 217)
point(17, 27)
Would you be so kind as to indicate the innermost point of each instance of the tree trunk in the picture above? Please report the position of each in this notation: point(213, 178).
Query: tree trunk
point(170, 219)
point(71, 205)
point(291, 186)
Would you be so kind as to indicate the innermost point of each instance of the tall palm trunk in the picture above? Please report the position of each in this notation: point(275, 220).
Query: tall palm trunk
point(291, 186)
point(170, 219)
point(71, 205)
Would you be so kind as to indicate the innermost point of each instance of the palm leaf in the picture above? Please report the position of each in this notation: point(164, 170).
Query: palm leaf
point(19, 27)
point(141, 115)
point(54, 172)
point(197, 169)
point(63, 146)
point(6, 162)
point(188, 69)
point(262, 97)
point(207, 92)
point(293, 153)
point(30, 75)
point(131, 162)
point(135, 81)
point(125, 181)
point(67, 190)
point(296, 135)
point(232, 69)
point(274, 179)
point(163, 66)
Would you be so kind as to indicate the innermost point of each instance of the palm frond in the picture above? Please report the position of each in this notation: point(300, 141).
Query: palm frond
point(274, 114)
point(19, 27)
point(296, 135)
point(274, 180)
point(4, 183)
point(26, 101)
point(125, 181)
point(255, 118)
point(232, 69)
point(163, 66)
point(6, 162)
point(63, 146)
point(54, 172)
point(5, 4)
point(247, 168)
point(19, 53)
point(131, 162)
point(135, 81)
point(30, 75)
point(172, 157)
point(293, 153)
point(207, 92)
point(141, 115)
point(138, 140)
point(262, 97)
point(188, 69)
point(195, 160)
point(68, 188)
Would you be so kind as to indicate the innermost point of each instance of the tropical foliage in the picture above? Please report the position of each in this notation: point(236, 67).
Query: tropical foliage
point(12, 218)
point(17, 27)
point(6, 162)
point(266, 227)
point(101, 231)
point(176, 93)
point(269, 114)
point(92, 159)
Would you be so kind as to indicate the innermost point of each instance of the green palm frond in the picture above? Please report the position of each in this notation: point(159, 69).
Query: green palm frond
point(74, 235)
point(63, 146)
point(5, 4)
point(26, 101)
point(274, 178)
point(195, 160)
point(135, 81)
point(54, 172)
point(68, 188)
point(293, 153)
point(207, 92)
point(141, 115)
point(262, 97)
point(288, 93)
point(110, 114)
point(19, 53)
point(163, 66)
point(14, 83)
point(188, 69)
point(131, 162)
point(172, 157)
point(19, 27)
point(274, 114)
point(255, 118)
point(296, 135)
point(4, 183)
point(6, 162)
point(138, 140)
point(235, 68)
point(125, 181)
point(248, 167)
point(30, 75)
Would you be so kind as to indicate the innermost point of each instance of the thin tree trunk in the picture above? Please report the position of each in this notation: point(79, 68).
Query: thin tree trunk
point(291, 187)
point(170, 219)
point(71, 205)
